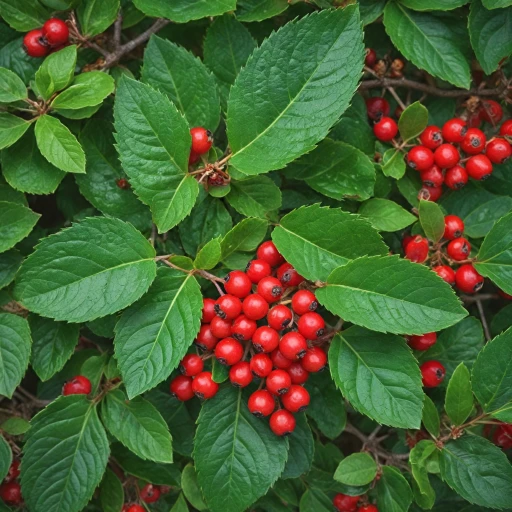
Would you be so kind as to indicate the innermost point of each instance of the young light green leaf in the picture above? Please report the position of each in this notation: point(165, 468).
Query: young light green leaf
point(413, 121)
point(378, 375)
point(15, 344)
point(15, 426)
point(153, 335)
point(12, 87)
point(459, 397)
point(11, 129)
point(301, 449)
point(95, 16)
point(390, 294)
point(154, 146)
point(393, 164)
point(58, 145)
point(418, 460)
point(209, 255)
point(245, 236)
point(10, 262)
point(181, 11)
point(56, 72)
point(316, 240)
point(432, 220)
point(254, 197)
point(356, 469)
point(23, 16)
point(85, 283)
point(16, 222)
point(111, 492)
point(64, 457)
point(430, 417)
point(259, 10)
point(87, 90)
point(393, 491)
point(312, 70)
point(386, 215)
point(229, 438)
point(5, 457)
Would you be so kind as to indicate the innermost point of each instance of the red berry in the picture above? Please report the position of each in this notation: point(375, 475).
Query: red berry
point(314, 360)
point(297, 373)
point(491, 111)
point(420, 158)
point(453, 227)
point(10, 492)
point(503, 436)
point(270, 289)
point(193, 158)
point(35, 45)
point(304, 301)
point(279, 317)
point(181, 388)
point(386, 129)
point(423, 341)
point(345, 503)
point(202, 140)
point(406, 239)
point(56, 32)
point(278, 382)
point(205, 338)
point(255, 307)
point(446, 273)
point(265, 339)
point(243, 328)
point(279, 361)
point(293, 345)
point(433, 177)
point(136, 508)
point(473, 142)
point(474, 120)
point(261, 403)
point(446, 156)
point(430, 193)
point(467, 279)
point(479, 167)
point(282, 423)
point(123, 183)
point(506, 128)
point(78, 385)
point(456, 177)
point(208, 311)
point(454, 130)
point(240, 374)
point(268, 252)
point(191, 365)
point(229, 351)
point(432, 373)
point(370, 58)
point(14, 471)
point(311, 325)
point(256, 270)
point(238, 284)
point(228, 307)
point(204, 386)
point(288, 275)
point(431, 137)
point(150, 493)
point(220, 328)
point(458, 249)
point(507, 296)
point(417, 250)
point(498, 151)
point(261, 365)
point(368, 508)
point(296, 400)
point(377, 107)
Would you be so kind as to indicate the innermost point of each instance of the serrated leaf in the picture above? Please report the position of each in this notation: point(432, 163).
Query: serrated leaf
point(314, 500)
point(209, 255)
point(393, 491)
point(180, 504)
point(259, 10)
point(86, 90)
point(386, 215)
point(191, 488)
point(10, 262)
point(56, 71)
point(171, 69)
point(316, 240)
point(111, 492)
point(390, 294)
point(413, 120)
point(15, 426)
point(5, 457)
point(58, 145)
point(434, 5)
point(181, 11)
point(301, 449)
point(322, 67)
point(431, 220)
point(430, 417)
point(16, 222)
point(254, 197)
point(64, 457)
point(10, 195)
point(393, 164)
point(85, 283)
point(435, 42)
point(12, 87)
point(53, 343)
point(153, 335)
point(356, 469)
point(94, 368)
point(11, 129)
point(154, 146)
point(245, 236)
point(418, 460)
point(23, 16)
point(95, 16)
point(237, 457)
point(138, 425)
point(13, 57)
point(459, 397)
point(378, 375)
point(477, 470)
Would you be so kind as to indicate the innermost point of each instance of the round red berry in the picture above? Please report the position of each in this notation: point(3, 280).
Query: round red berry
point(208, 311)
point(446, 273)
point(433, 177)
point(311, 325)
point(473, 142)
point(297, 373)
point(431, 137)
point(314, 360)
point(268, 252)
point(467, 279)
point(303, 302)
point(256, 270)
point(191, 365)
point(279, 361)
point(406, 239)
point(502, 436)
point(204, 386)
point(136, 508)
point(432, 373)
point(430, 193)
point(228, 307)
point(270, 289)
point(261, 365)
point(370, 58)
point(377, 108)
point(280, 317)
point(181, 388)
point(10, 493)
point(296, 399)
point(458, 249)
point(14, 471)
point(123, 183)
point(491, 111)
point(240, 374)
point(35, 45)
point(453, 227)
point(506, 128)
point(456, 177)
point(385, 129)
point(205, 338)
point(423, 341)
point(420, 158)
point(282, 423)
point(293, 345)
point(255, 307)
point(368, 508)
point(150, 493)
point(498, 150)
point(229, 351)
point(505, 295)
point(417, 249)
point(261, 403)
point(288, 275)
point(56, 32)
point(278, 382)
point(345, 503)
point(454, 130)
point(78, 385)
point(479, 167)
point(220, 328)
point(243, 328)
point(238, 284)
point(202, 140)
point(446, 156)
point(265, 339)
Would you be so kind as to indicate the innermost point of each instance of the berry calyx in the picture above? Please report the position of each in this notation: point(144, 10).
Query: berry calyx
point(446, 156)
point(345, 503)
point(282, 423)
point(202, 140)
point(268, 252)
point(431, 137)
point(56, 32)
point(261, 403)
point(458, 249)
point(377, 108)
point(432, 373)
point(446, 273)
point(288, 276)
point(473, 142)
point(238, 284)
point(453, 227)
point(420, 158)
point(278, 382)
point(204, 386)
point(150, 493)
point(296, 399)
point(10, 493)
point(181, 388)
point(191, 365)
point(479, 167)
point(303, 302)
point(430, 193)
point(208, 313)
point(240, 374)
point(456, 177)
point(229, 351)
point(256, 270)
point(498, 150)
point(293, 345)
point(255, 307)
point(454, 130)
point(228, 307)
point(265, 339)
point(385, 129)
point(270, 289)
point(243, 328)
point(314, 360)
point(78, 385)
point(422, 341)
point(311, 325)
point(467, 279)
point(279, 317)
point(260, 365)
point(205, 338)
point(35, 44)
point(417, 249)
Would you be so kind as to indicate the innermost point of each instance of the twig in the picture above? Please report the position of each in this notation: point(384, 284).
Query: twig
point(483, 319)
point(118, 25)
point(397, 98)
point(480, 297)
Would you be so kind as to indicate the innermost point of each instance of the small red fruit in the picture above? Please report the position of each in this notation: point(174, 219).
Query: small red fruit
point(279, 317)
point(204, 386)
point(150, 493)
point(181, 388)
point(303, 302)
point(417, 249)
point(446, 156)
point(458, 249)
point(202, 140)
point(498, 151)
point(278, 382)
point(10, 493)
point(255, 307)
point(279, 361)
point(191, 365)
point(270, 289)
point(261, 403)
point(370, 58)
point(377, 107)
point(260, 365)
point(473, 142)
point(205, 339)
point(220, 328)
point(193, 158)
point(385, 129)
point(293, 346)
point(78, 385)
point(256, 270)
point(368, 508)
point(136, 508)
point(297, 373)
point(506, 128)
point(265, 339)
point(420, 158)
point(229, 351)
point(345, 503)
point(240, 374)
point(208, 311)
point(503, 436)
point(453, 227)
point(56, 32)
point(123, 183)
point(430, 193)
point(228, 306)
point(454, 130)
point(456, 177)
point(14, 471)
point(491, 111)
point(35, 45)
point(311, 325)
point(422, 341)
point(432, 373)
point(268, 252)
point(433, 177)
point(296, 400)
point(243, 328)
point(446, 273)
point(315, 360)
point(467, 279)
point(479, 167)
point(238, 284)
point(288, 275)
point(282, 423)
point(431, 137)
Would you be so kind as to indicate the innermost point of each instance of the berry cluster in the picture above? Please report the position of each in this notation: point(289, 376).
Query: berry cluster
point(53, 36)
point(148, 494)
point(252, 330)
point(346, 503)
point(78, 385)
point(10, 490)
point(383, 67)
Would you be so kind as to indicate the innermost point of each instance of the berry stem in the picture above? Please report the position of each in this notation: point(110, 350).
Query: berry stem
point(485, 325)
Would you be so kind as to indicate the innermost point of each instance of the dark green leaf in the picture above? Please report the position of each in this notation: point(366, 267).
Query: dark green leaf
point(356, 469)
point(386, 215)
point(56, 72)
point(258, 10)
point(11, 129)
point(314, 500)
point(393, 491)
point(430, 417)
point(23, 16)
point(432, 220)
point(95, 16)
point(254, 197)
point(181, 11)
point(180, 505)
point(418, 460)
point(301, 450)
point(10, 262)
point(16, 222)
point(220, 372)
point(413, 120)
point(496, 4)
point(15, 58)
point(434, 5)
point(191, 488)
point(500, 322)
point(86, 90)
point(459, 397)
point(5, 457)
point(245, 236)
point(111, 492)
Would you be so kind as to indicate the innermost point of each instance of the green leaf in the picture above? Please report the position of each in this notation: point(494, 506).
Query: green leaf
point(432, 220)
point(254, 197)
point(378, 375)
point(477, 470)
point(56, 72)
point(237, 456)
point(418, 459)
point(244, 237)
point(53, 343)
point(356, 469)
point(386, 215)
point(171, 69)
point(111, 492)
point(430, 417)
point(259, 10)
point(23, 16)
point(209, 255)
point(153, 335)
point(58, 145)
point(87, 90)
point(393, 491)
point(180, 505)
point(5, 457)
point(459, 397)
point(85, 283)
point(94, 368)
point(220, 372)
point(314, 500)
point(11, 129)
point(316, 240)
point(301, 450)
point(489, 32)
point(12, 87)
point(336, 170)
point(496, 4)
point(413, 121)
point(500, 322)
point(10, 262)
point(494, 258)
point(15, 426)
point(154, 146)
point(10, 195)
point(409, 186)
point(390, 294)
point(95, 16)
point(64, 457)
point(181, 11)
point(371, 10)
point(191, 488)
point(138, 425)
point(13, 57)
point(434, 5)
point(320, 58)
point(393, 164)
point(16, 222)
point(435, 42)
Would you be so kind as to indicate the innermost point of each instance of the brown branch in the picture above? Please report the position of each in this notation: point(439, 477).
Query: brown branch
point(484, 320)
point(479, 297)
point(118, 25)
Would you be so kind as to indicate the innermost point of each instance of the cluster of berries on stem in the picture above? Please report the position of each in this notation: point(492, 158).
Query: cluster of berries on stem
point(345, 503)
point(10, 489)
point(51, 37)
